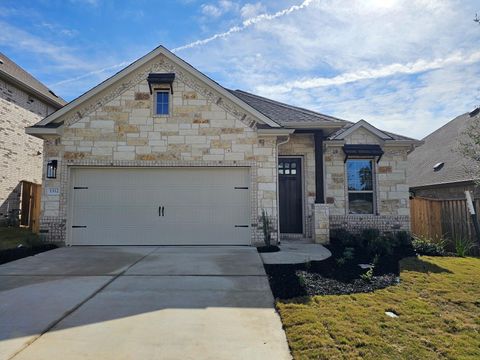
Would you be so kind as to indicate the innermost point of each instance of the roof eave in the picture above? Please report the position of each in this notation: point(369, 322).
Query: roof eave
point(315, 125)
point(31, 90)
point(41, 131)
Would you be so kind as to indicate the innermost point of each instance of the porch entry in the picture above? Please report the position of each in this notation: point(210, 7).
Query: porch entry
point(290, 195)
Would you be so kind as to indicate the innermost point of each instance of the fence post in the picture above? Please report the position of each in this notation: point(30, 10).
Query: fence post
point(471, 210)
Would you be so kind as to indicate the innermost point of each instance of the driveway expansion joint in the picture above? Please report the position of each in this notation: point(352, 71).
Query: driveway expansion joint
point(79, 305)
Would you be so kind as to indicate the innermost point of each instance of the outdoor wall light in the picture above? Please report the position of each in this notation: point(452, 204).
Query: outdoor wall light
point(52, 169)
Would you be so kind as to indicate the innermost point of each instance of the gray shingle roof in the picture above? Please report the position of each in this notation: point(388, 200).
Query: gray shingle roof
point(392, 135)
point(440, 146)
point(9, 70)
point(284, 114)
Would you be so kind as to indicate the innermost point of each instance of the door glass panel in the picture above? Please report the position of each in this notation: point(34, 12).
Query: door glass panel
point(294, 171)
point(294, 165)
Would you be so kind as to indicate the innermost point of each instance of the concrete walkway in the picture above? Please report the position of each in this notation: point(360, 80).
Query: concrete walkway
point(292, 252)
point(139, 303)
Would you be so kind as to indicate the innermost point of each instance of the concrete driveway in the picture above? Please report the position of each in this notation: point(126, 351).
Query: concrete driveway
point(139, 303)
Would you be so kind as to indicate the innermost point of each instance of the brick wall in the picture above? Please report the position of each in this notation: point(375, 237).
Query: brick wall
point(18, 151)
point(118, 128)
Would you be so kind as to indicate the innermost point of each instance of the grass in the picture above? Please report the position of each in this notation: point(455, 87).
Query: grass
point(11, 237)
point(438, 303)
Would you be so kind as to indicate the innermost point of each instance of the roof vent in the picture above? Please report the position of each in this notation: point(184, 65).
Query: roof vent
point(1, 61)
point(438, 166)
point(474, 112)
point(51, 92)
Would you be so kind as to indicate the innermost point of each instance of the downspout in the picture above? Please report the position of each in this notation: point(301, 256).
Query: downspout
point(278, 189)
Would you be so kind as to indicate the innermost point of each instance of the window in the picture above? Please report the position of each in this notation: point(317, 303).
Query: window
point(360, 186)
point(161, 102)
point(287, 168)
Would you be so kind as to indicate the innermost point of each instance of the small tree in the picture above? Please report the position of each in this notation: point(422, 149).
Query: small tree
point(267, 228)
point(469, 147)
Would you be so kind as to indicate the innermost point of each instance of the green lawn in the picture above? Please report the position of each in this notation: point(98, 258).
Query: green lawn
point(438, 303)
point(11, 237)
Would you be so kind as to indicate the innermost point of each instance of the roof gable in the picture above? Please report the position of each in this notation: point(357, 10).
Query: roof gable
point(10, 71)
point(345, 132)
point(217, 95)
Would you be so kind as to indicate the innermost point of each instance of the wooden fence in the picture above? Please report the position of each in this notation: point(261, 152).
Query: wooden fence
point(30, 206)
point(442, 218)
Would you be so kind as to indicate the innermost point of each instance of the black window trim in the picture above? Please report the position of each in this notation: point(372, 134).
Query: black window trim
point(374, 185)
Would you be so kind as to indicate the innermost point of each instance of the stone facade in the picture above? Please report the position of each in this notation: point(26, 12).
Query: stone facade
point(20, 154)
point(391, 195)
point(321, 228)
point(303, 146)
point(118, 128)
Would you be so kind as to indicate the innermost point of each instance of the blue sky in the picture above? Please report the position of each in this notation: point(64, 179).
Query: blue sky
point(405, 66)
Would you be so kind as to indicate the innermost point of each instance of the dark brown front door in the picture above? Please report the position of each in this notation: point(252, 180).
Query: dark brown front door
point(290, 188)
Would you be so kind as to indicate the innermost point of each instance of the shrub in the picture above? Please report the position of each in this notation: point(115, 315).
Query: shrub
point(463, 246)
point(424, 245)
point(380, 246)
point(402, 239)
point(368, 276)
point(369, 236)
point(343, 238)
point(348, 255)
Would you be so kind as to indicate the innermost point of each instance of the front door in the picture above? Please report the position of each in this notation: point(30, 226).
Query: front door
point(290, 193)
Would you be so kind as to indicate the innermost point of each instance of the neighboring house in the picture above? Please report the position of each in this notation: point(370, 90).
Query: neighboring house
point(23, 102)
point(436, 170)
point(161, 154)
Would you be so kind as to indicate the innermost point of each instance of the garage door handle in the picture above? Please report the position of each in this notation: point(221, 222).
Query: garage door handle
point(161, 211)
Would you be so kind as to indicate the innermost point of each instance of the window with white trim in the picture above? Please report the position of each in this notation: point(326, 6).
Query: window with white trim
point(162, 101)
point(360, 180)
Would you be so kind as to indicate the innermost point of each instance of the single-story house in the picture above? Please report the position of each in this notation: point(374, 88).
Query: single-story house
point(24, 101)
point(160, 154)
point(436, 169)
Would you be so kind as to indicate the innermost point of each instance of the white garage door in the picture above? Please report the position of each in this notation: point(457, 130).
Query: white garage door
point(167, 206)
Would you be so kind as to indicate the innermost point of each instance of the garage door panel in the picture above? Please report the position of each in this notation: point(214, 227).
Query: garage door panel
point(200, 206)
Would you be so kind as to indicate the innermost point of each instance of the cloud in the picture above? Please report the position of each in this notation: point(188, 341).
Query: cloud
point(418, 66)
point(61, 55)
point(211, 10)
point(246, 24)
point(54, 28)
point(93, 3)
point(251, 10)
point(216, 10)
point(91, 73)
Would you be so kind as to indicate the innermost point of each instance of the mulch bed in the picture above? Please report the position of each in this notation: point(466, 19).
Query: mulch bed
point(21, 252)
point(316, 284)
point(268, 249)
point(328, 278)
